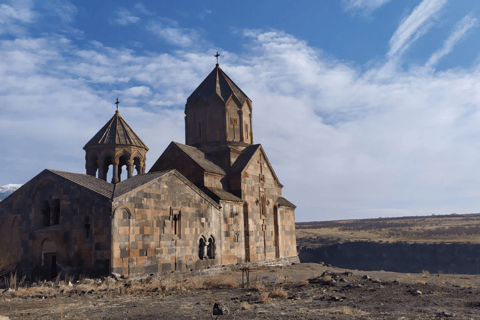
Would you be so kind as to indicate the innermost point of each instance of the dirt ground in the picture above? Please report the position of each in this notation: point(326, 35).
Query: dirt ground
point(300, 291)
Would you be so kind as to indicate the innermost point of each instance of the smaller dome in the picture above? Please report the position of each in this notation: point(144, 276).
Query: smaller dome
point(116, 132)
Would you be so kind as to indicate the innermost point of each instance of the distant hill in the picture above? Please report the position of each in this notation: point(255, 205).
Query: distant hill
point(7, 189)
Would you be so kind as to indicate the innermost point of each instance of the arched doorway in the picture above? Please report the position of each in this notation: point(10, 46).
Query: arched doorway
point(276, 232)
point(49, 259)
point(246, 228)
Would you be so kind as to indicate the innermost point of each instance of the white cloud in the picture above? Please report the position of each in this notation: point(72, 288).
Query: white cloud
point(15, 16)
point(178, 36)
point(366, 6)
point(345, 143)
point(123, 17)
point(414, 26)
point(459, 32)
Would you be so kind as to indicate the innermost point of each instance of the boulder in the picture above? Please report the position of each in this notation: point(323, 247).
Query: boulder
point(220, 309)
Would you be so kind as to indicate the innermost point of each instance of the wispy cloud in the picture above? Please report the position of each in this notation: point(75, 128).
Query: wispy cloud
point(61, 8)
point(140, 8)
point(414, 26)
point(15, 15)
point(364, 6)
point(123, 17)
point(458, 33)
point(173, 34)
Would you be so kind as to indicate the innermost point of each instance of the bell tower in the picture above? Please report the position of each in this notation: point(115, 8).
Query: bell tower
point(115, 145)
point(218, 114)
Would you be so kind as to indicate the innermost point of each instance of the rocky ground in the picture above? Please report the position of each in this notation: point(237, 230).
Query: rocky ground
point(301, 291)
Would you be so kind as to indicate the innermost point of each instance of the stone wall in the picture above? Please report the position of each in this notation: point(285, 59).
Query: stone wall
point(79, 240)
point(158, 228)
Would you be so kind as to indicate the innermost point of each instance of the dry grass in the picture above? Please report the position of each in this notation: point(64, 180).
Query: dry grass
point(349, 311)
point(227, 281)
point(245, 306)
point(421, 282)
point(259, 286)
point(7, 264)
point(326, 278)
point(303, 283)
point(279, 293)
point(264, 297)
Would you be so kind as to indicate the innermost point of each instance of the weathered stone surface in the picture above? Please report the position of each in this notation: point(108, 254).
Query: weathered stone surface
point(212, 202)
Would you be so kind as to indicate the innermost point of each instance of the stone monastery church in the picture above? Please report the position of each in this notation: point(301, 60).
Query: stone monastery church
point(212, 201)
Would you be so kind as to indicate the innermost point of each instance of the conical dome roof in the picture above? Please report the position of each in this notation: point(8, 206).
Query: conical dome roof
point(217, 82)
point(116, 132)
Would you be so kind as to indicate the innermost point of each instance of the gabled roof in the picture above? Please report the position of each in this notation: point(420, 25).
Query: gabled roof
point(247, 155)
point(199, 158)
point(221, 194)
point(112, 191)
point(281, 201)
point(116, 132)
point(136, 181)
point(217, 82)
point(90, 182)
point(244, 158)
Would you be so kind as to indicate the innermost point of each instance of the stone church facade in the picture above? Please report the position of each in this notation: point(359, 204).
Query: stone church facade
point(213, 201)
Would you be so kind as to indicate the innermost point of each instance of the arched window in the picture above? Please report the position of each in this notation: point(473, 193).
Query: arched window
point(86, 228)
point(211, 248)
point(56, 212)
point(202, 252)
point(46, 213)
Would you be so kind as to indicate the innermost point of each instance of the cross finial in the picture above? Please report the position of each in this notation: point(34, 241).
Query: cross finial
point(117, 102)
point(216, 56)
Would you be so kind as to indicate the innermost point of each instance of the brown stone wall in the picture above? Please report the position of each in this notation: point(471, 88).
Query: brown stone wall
point(233, 249)
point(173, 158)
point(205, 122)
point(76, 249)
point(143, 229)
point(213, 180)
point(268, 237)
point(288, 240)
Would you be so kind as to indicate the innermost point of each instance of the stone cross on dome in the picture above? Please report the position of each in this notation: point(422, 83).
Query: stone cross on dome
point(216, 56)
point(117, 102)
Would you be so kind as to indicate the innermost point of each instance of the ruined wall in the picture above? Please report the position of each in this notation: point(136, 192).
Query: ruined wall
point(78, 241)
point(144, 237)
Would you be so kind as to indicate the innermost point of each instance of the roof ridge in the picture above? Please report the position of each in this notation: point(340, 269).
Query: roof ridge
point(116, 132)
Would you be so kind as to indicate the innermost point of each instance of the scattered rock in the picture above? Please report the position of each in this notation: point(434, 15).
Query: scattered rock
point(88, 281)
point(342, 280)
point(116, 276)
point(220, 309)
point(4, 318)
point(416, 292)
point(347, 273)
point(365, 277)
point(441, 314)
point(70, 284)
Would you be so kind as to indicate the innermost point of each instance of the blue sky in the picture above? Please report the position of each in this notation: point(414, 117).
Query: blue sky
point(365, 108)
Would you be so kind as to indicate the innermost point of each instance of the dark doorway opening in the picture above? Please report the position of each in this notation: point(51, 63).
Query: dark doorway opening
point(50, 260)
